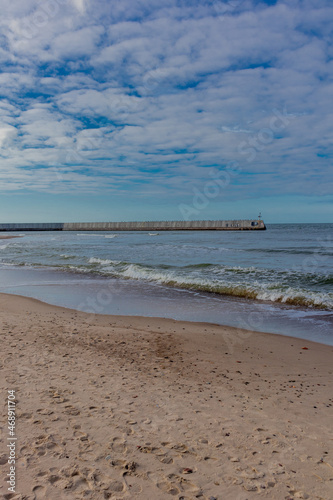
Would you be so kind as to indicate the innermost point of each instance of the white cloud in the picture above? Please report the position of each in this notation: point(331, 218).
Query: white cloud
point(79, 43)
point(128, 88)
point(7, 134)
point(80, 5)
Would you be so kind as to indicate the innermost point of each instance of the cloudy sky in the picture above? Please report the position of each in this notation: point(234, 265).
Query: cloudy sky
point(148, 109)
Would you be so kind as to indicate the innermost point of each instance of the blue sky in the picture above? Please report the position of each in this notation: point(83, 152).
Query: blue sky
point(165, 109)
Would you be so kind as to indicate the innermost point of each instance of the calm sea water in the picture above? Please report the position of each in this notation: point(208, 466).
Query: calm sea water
point(288, 266)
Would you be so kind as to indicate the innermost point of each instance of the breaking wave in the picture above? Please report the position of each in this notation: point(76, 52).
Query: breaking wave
point(283, 265)
point(221, 281)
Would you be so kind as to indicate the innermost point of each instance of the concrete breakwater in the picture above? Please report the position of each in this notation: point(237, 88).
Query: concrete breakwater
point(200, 225)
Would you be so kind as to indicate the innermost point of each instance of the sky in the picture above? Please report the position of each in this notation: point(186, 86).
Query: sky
point(164, 109)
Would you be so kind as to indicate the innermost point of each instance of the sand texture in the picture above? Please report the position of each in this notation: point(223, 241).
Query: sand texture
point(146, 408)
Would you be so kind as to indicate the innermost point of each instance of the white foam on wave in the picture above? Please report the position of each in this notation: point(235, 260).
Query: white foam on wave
point(90, 234)
point(103, 262)
point(260, 291)
point(140, 272)
point(294, 296)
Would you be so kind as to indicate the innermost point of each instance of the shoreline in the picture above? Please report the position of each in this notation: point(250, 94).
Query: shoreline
point(239, 332)
point(250, 297)
point(9, 237)
point(130, 407)
point(255, 316)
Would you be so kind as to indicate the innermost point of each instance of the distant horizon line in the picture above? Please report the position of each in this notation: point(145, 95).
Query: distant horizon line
point(157, 220)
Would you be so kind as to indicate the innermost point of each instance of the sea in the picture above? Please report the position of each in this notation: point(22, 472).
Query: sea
point(278, 281)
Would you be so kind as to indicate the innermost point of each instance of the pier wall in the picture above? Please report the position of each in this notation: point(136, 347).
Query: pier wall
point(204, 225)
point(48, 226)
point(201, 225)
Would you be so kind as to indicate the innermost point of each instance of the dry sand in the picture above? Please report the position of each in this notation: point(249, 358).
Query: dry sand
point(142, 408)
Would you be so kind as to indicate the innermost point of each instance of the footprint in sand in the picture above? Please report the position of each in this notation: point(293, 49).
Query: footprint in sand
point(164, 459)
point(53, 478)
point(161, 455)
point(116, 486)
point(185, 485)
point(82, 436)
point(44, 411)
point(13, 496)
point(125, 430)
point(134, 485)
point(80, 483)
point(118, 445)
point(180, 448)
point(45, 444)
point(85, 447)
point(39, 492)
point(117, 463)
point(148, 449)
point(163, 484)
point(25, 416)
point(202, 440)
point(74, 479)
point(71, 410)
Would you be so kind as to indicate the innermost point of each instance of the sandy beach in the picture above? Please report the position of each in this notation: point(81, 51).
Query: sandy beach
point(129, 407)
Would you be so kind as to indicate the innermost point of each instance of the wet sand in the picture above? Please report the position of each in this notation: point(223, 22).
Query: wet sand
point(148, 408)
point(9, 237)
